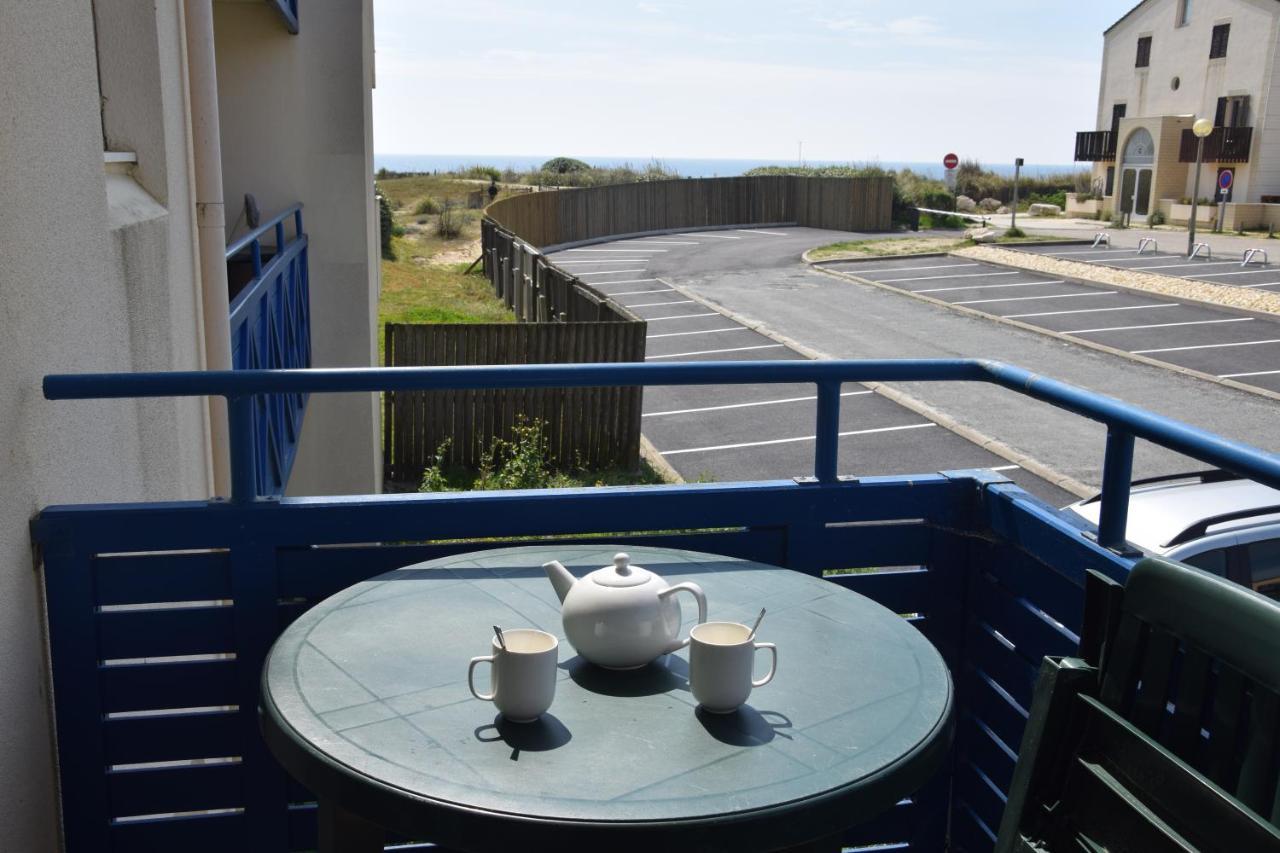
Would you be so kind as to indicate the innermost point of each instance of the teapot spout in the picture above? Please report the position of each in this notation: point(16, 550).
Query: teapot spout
point(561, 578)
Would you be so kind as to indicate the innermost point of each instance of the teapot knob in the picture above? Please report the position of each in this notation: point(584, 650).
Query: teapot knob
point(622, 563)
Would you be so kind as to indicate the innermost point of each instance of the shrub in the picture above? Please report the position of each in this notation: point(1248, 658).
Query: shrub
point(488, 173)
point(941, 221)
point(426, 206)
point(520, 463)
point(386, 225)
point(397, 230)
point(1015, 232)
point(565, 166)
point(1156, 218)
point(451, 221)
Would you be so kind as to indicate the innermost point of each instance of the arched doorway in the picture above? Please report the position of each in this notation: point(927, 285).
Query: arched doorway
point(1135, 181)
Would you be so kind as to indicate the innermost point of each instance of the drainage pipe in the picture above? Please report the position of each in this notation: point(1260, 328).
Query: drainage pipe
point(211, 234)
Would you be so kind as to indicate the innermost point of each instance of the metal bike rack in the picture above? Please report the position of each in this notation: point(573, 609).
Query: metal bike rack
point(1195, 251)
point(1249, 255)
point(1148, 241)
point(1103, 237)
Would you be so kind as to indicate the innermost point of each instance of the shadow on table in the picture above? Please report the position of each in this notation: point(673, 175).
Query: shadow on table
point(745, 726)
point(661, 676)
point(542, 735)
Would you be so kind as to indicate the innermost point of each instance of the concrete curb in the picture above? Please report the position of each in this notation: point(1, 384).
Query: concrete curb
point(1058, 336)
point(658, 462)
point(902, 398)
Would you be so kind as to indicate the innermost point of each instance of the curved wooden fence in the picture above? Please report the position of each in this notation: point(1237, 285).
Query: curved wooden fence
point(569, 216)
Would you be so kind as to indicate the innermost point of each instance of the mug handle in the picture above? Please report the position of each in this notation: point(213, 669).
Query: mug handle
point(773, 665)
point(471, 677)
point(698, 595)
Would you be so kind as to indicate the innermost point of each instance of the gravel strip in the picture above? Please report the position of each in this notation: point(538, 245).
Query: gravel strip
point(1180, 288)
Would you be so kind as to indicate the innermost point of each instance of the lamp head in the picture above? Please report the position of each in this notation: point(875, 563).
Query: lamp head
point(1202, 128)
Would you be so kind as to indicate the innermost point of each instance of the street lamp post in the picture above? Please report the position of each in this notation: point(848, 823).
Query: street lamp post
point(1202, 128)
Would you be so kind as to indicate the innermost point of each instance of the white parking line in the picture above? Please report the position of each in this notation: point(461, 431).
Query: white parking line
point(1157, 326)
point(664, 242)
point(1262, 284)
point(1005, 468)
point(717, 236)
point(1087, 252)
point(790, 440)
point(636, 292)
point(699, 332)
point(560, 263)
point(963, 275)
point(753, 231)
point(1091, 310)
point(908, 269)
point(620, 251)
point(712, 351)
point(990, 286)
point(605, 272)
point(746, 405)
point(656, 304)
point(1253, 373)
point(1193, 264)
point(630, 281)
point(682, 317)
point(1026, 298)
point(1222, 274)
point(1135, 258)
point(1206, 346)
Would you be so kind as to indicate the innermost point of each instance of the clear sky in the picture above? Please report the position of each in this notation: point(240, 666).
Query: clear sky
point(856, 80)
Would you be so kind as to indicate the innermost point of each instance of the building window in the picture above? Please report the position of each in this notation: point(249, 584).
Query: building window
point(1144, 51)
point(1232, 112)
point(1117, 113)
point(1184, 12)
point(1111, 180)
point(1218, 44)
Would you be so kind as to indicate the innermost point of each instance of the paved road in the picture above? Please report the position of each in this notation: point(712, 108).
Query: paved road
point(758, 431)
point(760, 276)
point(1217, 341)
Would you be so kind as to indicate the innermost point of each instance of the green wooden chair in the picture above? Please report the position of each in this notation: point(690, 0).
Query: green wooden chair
point(1164, 735)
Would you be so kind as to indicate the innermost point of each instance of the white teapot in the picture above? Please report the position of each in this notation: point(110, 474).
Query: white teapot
point(621, 616)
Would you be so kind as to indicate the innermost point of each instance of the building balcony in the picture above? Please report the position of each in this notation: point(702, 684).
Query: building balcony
point(1095, 146)
point(1224, 145)
point(160, 615)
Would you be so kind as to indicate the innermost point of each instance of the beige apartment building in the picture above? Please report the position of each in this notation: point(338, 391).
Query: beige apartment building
point(1165, 64)
point(130, 135)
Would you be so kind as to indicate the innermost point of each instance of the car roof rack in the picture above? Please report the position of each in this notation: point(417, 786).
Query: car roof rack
point(1200, 528)
point(1212, 475)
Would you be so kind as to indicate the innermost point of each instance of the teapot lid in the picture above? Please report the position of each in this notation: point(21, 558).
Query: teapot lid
point(621, 573)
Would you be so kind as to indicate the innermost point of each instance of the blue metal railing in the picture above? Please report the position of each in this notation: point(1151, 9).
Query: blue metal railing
point(160, 615)
point(288, 10)
point(271, 330)
point(1124, 422)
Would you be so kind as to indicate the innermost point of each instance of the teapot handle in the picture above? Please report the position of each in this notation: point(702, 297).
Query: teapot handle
point(701, 598)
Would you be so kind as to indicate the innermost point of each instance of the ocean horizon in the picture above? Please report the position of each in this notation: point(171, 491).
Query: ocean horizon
point(692, 167)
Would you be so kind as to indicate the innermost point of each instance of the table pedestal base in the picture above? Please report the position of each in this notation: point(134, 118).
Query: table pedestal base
point(343, 832)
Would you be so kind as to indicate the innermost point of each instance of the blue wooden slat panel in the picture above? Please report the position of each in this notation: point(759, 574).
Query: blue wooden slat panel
point(196, 834)
point(1003, 665)
point(172, 737)
point(161, 633)
point(979, 794)
point(902, 591)
point(145, 687)
point(978, 745)
point(145, 578)
point(968, 833)
point(1023, 576)
point(984, 700)
point(181, 789)
point(1032, 635)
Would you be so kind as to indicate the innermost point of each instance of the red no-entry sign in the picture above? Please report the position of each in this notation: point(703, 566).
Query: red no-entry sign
point(951, 161)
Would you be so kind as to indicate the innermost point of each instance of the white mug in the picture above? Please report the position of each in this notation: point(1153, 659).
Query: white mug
point(523, 680)
point(721, 659)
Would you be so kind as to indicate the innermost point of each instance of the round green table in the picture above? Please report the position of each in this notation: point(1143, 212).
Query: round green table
point(365, 701)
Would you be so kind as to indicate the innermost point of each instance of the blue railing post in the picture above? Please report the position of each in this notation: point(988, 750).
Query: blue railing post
point(1117, 475)
point(827, 452)
point(244, 480)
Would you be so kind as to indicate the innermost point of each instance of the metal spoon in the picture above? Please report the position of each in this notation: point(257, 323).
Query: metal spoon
point(755, 626)
point(502, 642)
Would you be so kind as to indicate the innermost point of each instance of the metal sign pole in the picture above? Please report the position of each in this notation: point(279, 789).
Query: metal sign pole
point(1017, 169)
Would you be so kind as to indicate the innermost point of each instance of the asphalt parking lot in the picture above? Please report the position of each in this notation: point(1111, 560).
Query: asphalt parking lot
point(1222, 269)
point(1221, 342)
point(742, 432)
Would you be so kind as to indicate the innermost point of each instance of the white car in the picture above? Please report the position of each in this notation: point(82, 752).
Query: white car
point(1213, 520)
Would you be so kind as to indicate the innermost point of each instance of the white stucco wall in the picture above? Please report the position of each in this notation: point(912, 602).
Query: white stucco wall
point(1183, 52)
point(77, 294)
point(296, 126)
